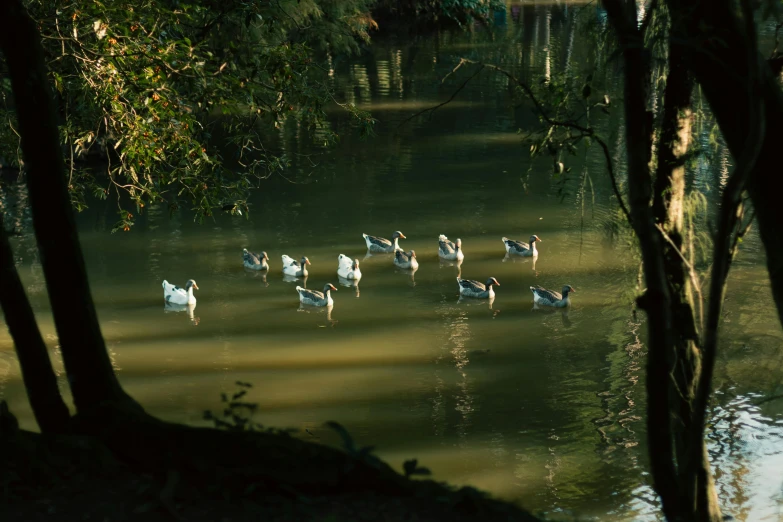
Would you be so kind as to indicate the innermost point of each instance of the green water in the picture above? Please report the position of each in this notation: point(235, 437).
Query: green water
point(542, 409)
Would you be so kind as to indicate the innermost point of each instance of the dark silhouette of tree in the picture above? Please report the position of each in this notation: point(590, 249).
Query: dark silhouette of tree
point(90, 374)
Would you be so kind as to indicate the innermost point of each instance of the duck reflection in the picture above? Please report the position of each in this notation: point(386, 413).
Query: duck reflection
point(189, 308)
point(409, 272)
point(294, 279)
point(310, 309)
point(447, 264)
point(548, 310)
point(517, 259)
point(261, 276)
point(377, 255)
point(469, 301)
point(349, 283)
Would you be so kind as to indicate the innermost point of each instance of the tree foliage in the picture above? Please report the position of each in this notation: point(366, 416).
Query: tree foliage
point(153, 86)
point(437, 13)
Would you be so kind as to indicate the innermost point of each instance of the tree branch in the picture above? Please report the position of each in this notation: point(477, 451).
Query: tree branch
point(691, 272)
point(728, 218)
point(432, 110)
point(539, 108)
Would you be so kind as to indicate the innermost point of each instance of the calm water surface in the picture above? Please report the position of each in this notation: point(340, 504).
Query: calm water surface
point(542, 409)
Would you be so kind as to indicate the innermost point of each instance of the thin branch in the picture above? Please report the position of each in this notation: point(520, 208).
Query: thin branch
point(768, 399)
point(432, 110)
point(587, 131)
point(691, 273)
point(539, 107)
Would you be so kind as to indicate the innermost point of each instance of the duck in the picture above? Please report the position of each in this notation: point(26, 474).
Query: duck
point(348, 269)
point(381, 245)
point(520, 248)
point(470, 288)
point(255, 261)
point(295, 268)
point(181, 296)
point(450, 251)
point(406, 260)
point(544, 297)
point(316, 298)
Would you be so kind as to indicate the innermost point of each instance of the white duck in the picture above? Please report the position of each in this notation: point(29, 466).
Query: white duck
point(406, 260)
point(295, 268)
point(382, 245)
point(348, 269)
point(181, 296)
point(316, 298)
point(450, 251)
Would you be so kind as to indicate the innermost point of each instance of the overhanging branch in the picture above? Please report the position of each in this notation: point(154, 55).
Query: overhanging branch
point(586, 132)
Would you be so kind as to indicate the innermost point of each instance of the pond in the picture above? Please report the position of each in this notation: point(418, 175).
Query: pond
point(542, 409)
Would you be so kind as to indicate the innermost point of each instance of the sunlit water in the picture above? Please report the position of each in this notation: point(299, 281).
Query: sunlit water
point(542, 409)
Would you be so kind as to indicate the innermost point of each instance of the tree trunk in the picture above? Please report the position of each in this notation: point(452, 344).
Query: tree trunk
point(87, 363)
point(684, 360)
point(720, 52)
point(655, 301)
point(50, 411)
point(672, 357)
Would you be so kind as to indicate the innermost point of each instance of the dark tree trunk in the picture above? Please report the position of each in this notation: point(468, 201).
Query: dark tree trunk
point(721, 53)
point(697, 488)
point(655, 301)
point(672, 357)
point(90, 374)
point(50, 411)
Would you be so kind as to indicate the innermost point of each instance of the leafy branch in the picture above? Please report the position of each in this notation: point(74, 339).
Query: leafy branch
point(583, 130)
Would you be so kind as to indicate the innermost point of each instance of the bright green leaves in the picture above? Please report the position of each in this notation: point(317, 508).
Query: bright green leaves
point(165, 92)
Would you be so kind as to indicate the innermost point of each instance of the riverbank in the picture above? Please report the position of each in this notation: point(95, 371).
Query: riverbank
point(76, 477)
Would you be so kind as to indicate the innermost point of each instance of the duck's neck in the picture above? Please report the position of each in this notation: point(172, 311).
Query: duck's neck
point(565, 300)
point(491, 291)
point(304, 268)
point(191, 297)
point(396, 245)
point(533, 248)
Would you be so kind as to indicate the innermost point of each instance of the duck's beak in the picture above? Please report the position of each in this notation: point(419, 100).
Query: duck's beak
point(195, 286)
point(403, 236)
point(307, 261)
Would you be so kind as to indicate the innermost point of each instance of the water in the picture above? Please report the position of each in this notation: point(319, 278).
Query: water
point(542, 409)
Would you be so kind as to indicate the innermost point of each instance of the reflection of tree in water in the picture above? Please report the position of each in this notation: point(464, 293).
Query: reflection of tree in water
point(725, 447)
point(618, 401)
point(454, 351)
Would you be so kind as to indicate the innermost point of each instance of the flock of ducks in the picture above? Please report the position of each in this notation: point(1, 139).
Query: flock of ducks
point(349, 269)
